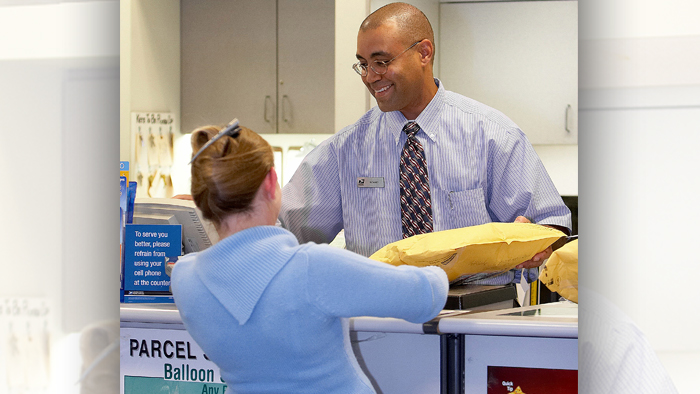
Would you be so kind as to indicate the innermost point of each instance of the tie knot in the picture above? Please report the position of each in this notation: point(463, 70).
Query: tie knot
point(411, 128)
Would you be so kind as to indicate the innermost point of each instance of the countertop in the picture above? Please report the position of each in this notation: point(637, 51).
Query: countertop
point(554, 320)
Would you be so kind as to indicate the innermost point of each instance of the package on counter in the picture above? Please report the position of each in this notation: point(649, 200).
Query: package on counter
point(463, 252)
point(560, 273)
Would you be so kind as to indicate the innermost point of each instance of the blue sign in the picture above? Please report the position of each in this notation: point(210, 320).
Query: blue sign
point(147, 249)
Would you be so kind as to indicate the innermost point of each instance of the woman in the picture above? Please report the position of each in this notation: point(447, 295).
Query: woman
point(272, 313)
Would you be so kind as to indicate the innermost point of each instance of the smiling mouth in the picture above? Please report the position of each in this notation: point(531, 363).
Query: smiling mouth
point(382, 90)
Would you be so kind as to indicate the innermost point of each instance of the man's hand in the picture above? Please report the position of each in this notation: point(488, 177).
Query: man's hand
point(189, 197)
point(537, 259)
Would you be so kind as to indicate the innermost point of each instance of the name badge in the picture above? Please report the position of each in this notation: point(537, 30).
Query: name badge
point(370, 182)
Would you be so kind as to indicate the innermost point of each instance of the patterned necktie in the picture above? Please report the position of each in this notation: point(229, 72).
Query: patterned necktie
point(416, 211)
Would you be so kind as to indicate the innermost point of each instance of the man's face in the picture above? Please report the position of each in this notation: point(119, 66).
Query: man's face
point(399, 89)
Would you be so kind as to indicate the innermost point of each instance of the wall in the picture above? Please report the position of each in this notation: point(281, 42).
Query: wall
point(648, 70)
point(59, 100)
point(31, 199)
point(561, 162)
point(149, 63)
point(639, 127)
point(348, 16)
point(152, 83)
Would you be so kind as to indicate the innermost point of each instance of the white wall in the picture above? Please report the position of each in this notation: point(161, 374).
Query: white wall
point(639, 133)
point(561, 162)
point(348, 16)
point(30, 164)
point(149, 63)
point(639, 126)
point(58, 125)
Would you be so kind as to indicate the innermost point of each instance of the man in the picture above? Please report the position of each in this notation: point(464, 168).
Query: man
point(461, 163)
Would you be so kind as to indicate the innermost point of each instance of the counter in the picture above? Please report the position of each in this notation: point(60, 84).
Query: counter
point(457, 351)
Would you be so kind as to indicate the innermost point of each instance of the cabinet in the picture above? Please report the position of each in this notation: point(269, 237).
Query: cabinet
point(519, 57)
point(269, 63)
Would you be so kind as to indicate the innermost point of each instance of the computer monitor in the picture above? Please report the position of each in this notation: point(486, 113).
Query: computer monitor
point(197, 232)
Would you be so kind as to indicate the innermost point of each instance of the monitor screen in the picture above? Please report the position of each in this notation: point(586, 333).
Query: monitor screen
point(197, 232)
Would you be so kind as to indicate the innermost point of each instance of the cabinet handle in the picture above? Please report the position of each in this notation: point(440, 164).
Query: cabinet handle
point(267, 98)
point(285, 98)
point(566, 118)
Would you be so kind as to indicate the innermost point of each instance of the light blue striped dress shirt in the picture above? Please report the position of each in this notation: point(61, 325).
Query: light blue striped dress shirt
point(481, 168)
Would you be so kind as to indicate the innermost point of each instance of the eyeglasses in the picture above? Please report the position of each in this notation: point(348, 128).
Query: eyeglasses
point(379, 67)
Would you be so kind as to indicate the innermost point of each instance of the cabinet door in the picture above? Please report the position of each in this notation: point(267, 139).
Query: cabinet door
point(229, 63)
point(518, 57)
point(306, 73)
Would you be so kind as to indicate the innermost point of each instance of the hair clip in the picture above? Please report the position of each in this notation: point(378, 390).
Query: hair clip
point(232, 130)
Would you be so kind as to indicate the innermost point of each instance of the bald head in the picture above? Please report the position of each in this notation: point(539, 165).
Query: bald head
point(412, 24)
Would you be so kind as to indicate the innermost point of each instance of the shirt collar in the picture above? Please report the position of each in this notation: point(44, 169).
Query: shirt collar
point(428, 119)
point(238, 268)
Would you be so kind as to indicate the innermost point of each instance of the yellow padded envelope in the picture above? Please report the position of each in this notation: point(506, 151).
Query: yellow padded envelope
point(463, 252)
point(560, 274)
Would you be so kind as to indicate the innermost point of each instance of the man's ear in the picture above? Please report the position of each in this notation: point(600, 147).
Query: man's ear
point(426, 50)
